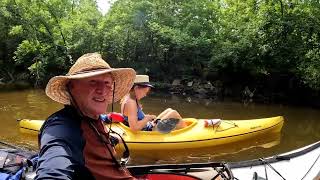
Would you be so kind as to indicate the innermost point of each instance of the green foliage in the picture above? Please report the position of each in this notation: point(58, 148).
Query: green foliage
point(310, 68)
point(195, 38)
point(269, 37)
point(168, 37)
point(47, 34)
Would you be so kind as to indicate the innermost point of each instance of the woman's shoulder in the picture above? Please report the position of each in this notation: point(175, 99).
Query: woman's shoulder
point(130, 102)
point(125, 99)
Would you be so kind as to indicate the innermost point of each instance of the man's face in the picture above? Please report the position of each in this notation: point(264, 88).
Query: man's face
point(92, 94)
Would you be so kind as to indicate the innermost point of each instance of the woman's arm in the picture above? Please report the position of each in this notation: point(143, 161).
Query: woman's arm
point(131, 110)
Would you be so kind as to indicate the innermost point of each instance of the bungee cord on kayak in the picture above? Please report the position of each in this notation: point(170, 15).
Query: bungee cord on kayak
point(311, 167)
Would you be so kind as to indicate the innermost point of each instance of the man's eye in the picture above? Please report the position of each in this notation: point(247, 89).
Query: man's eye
point(108, 83)
point(92, 82)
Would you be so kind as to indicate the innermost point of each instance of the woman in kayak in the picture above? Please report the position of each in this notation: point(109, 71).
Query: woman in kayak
point(132, 109)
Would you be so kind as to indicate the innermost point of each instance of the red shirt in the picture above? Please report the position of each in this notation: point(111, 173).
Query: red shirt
point(97, 157)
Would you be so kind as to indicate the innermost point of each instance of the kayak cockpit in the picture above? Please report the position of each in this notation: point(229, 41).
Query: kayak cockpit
point(122, 128)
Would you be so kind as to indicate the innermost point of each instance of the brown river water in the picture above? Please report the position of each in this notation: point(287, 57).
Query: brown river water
point(301, 127)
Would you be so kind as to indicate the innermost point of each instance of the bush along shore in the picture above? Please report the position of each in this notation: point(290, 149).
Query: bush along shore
point(274, 92)
point(212, 91)
point(15, 85)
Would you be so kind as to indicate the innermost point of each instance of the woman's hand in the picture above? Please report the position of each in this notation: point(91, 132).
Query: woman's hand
point(150, 117)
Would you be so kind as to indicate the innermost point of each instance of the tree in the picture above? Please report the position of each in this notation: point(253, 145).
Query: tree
point(49, 33)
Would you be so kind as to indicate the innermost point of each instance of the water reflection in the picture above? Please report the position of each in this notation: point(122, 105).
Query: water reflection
point(301, 125)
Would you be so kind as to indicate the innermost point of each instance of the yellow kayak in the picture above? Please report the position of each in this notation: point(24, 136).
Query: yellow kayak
point(195, 135)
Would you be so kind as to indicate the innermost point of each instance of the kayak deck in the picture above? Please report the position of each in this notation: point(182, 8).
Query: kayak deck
point(195, 135)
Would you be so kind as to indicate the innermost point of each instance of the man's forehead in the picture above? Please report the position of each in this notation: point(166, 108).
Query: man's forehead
point(101, 77)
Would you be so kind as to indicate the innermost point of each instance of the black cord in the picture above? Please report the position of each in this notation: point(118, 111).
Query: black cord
point(311, 167)
point(102, 138)
point(113, 91)
point(220, 172)
point(231, 122)
point(104, 141)
point(265, 162)
point(265, 170)
point(228, 122)
point(126, 154)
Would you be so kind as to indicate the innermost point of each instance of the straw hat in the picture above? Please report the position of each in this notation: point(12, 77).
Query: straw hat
point(142, 80)
point(89, 65)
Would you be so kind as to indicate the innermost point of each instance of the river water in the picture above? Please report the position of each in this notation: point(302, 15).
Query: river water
point(301, 127)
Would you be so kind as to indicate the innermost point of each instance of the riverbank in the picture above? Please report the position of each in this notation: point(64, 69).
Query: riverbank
point(250, 93)
point(215, 91)
point(17, 85)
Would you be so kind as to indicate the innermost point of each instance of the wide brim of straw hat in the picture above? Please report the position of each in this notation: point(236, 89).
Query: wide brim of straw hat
point(123, 77)
point(143, 80)
point(145, 84)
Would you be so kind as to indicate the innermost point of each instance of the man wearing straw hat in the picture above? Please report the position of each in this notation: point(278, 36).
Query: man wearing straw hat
point(74, 143)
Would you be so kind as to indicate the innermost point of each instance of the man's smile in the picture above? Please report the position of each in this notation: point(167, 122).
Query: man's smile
point(99, 99)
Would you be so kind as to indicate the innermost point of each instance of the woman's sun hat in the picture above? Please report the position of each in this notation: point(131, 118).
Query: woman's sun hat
point(90, 65)
point(143, 80)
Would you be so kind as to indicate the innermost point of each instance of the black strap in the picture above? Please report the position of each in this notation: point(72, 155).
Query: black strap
point(312, 167)
point(104, 141)
point(126, 154)
point(263, 160)
point(102, 138)
point(224, 172)
point(114, 87)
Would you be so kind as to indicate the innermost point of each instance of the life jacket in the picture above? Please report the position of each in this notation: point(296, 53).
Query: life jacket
point(112, 117)
point(17, 164)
